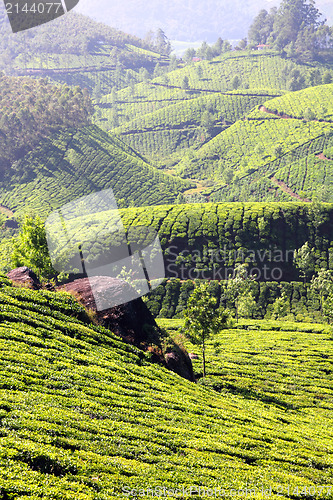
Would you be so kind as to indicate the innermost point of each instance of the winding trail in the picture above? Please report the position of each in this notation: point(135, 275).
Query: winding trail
point(286, 189)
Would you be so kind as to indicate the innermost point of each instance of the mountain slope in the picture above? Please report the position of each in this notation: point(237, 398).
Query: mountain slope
point(76, 50)
point(164, 134)
point(74, 163)
point(287, 134)
point(162, 117)
point(85, 416)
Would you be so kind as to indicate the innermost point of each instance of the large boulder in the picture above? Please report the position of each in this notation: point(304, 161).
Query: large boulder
point(24, 276)
point(179, 362)
point(132, 320)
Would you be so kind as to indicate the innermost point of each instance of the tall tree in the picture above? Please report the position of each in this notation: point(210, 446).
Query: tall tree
point(305, 261)
point(203, 318)
point(262, 27)
point(30, 248)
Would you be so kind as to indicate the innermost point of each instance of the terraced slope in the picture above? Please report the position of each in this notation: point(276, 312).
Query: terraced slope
point(76, 50)
point(162, 118)
point(184, 124)
point(205, 240)
point(255, 71)
point(77, 162)
point(85, 416)
point(280, 140)
point(243, 362)
point(96, 71)
point(316, 99)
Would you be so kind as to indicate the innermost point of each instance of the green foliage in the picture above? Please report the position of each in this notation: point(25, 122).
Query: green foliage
point(84, 414)
point(281, 307)
point(203, 319)
point(274, 153)
point(77, 162)
point(238, 291)
point(246, 305)
point(33, 109)
point(296, 23)
point(206, 241)
point(30, 248)
point(304, 260)
point(322, 284)
point(71, 34)
point(146, 131)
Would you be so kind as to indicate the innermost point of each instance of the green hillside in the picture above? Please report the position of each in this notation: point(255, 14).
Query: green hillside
point(77, 50)
point(33, 109)
point(274, 152)
point(73, 163)
point(318, 99)
point(164, 117)
point(256, 70)
point(205, 241)
point(85, 416)
point(184, 124)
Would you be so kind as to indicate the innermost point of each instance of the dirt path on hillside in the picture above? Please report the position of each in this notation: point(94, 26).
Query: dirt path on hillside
point(197, 190)
point(286, 189)
point(289, 117)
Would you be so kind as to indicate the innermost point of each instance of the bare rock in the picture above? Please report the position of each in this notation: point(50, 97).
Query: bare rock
point(25, 276)
point(132, 320)
point(179, 362)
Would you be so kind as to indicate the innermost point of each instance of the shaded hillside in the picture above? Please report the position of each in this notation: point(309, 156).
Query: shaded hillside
point(74, 163)
point(33, 109)
point(76, 50)
point(83, 414)
point(206, 241)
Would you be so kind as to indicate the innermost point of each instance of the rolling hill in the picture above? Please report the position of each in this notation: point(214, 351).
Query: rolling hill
point(72, 163)
point(264, 141)
point(278, 142)
point(76, 50)
point(161, 119)
point(86, 416)
point(205, 241)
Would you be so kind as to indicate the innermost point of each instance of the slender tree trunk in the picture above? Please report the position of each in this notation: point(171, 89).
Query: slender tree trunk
point(203, 359)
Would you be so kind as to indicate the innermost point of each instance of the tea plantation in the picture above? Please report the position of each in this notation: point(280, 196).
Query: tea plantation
point(85, 416)
point(240, 139)
point(284, 139)
point(73, 163)
point(203, 241)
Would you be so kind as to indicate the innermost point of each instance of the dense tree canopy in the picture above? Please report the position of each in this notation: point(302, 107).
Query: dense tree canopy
point(31, 109)
point(296, 24)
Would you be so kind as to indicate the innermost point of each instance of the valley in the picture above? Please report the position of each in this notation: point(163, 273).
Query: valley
point(220, 165)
